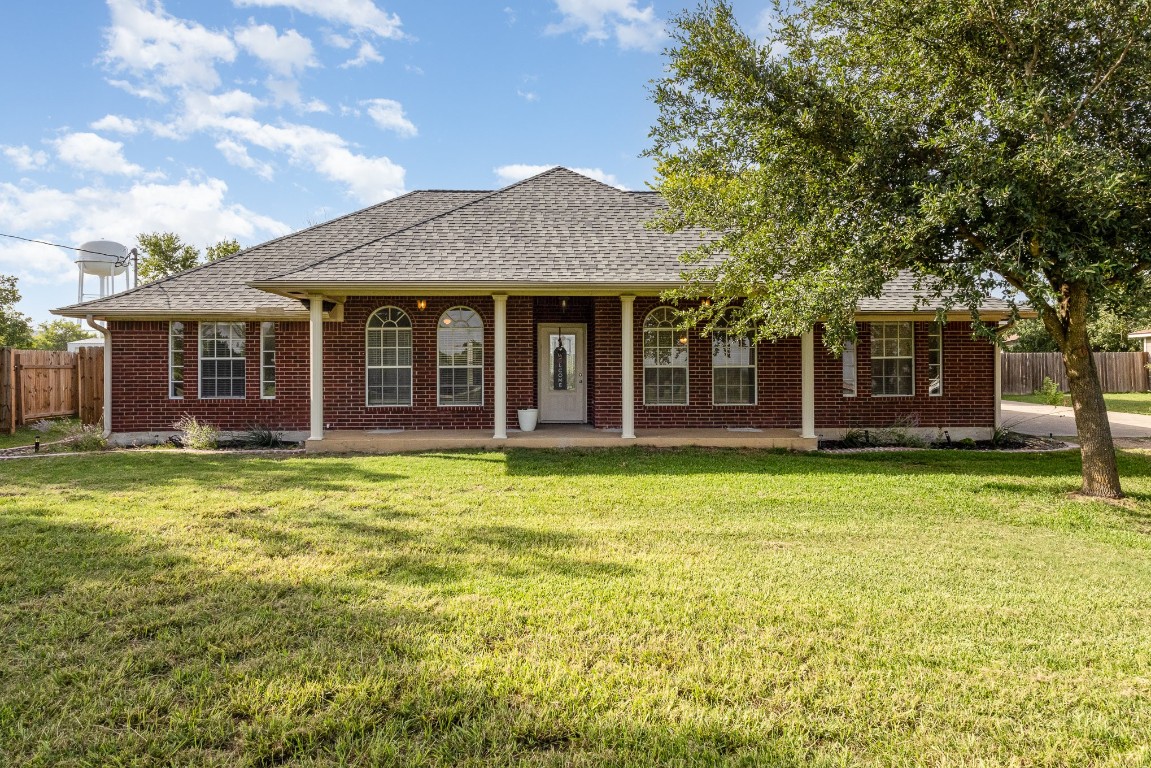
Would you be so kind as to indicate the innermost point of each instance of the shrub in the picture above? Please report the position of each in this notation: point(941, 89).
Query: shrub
point(86, 437)
point(195, 434)
point(1050, 392)
point(262, 436)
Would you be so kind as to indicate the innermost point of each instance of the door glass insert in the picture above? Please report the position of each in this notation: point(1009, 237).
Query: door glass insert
point(562, 361)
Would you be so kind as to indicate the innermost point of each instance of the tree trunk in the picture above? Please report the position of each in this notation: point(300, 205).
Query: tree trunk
point(1100, 467)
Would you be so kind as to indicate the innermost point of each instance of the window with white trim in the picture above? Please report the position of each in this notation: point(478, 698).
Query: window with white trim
point(222, 368)
point(850, 385)
point(664, 359)
point(892, 359)
point(389, 357)
point(176, 360)
point(460, 353)
point(935, 360)
point(732, 368)
point(267, 360)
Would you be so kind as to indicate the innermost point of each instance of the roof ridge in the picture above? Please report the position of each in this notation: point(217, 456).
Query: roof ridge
point(421, 222)
point(159, 283)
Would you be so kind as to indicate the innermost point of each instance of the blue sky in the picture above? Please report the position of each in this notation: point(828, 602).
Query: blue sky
point(254, 118)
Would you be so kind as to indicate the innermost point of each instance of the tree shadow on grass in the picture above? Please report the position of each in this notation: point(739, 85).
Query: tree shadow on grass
point(119, 649)
point(722, 461)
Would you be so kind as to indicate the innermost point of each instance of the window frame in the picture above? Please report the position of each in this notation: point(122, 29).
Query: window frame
point(176, 330)
point(202, 358)
point(935, 349)
point(410, 367)
point(667, 323)
point(267, 371)
point(910, 356)
point(753, 350)
point(481, 329)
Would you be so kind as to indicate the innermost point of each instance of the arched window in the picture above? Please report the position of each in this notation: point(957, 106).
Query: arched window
point(732, 368)
point(389, 356)
point(460, 348)
point(664, 359)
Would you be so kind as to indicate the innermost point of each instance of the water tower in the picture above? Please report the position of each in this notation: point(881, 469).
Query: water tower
point(105, 260)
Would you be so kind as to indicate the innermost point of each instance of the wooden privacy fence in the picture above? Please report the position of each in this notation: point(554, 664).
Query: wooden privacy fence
point(1023, 372)
point(38, 384)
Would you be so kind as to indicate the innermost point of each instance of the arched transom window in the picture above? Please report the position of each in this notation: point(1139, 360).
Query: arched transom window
point(460, 352)
point(389, 356)
point(664, 359)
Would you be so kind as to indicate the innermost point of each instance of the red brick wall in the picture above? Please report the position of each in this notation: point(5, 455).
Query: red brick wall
point(140, 375)
point(968, 398)
point(140, 401)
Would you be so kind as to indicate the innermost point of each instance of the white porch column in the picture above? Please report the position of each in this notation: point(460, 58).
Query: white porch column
point(807, 374)
point(316, 356)
point(998, 385)
point(627, 356)
point(501, 395)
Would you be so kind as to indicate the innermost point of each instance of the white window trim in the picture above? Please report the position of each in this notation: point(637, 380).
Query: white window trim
point(482, 365)
point(200, 360)
point(754, 374)
point(854, 381)
point(411, 368)
point(263, 365)
point(935, 331)
point(183, 357)
point(872, 358)
point(643, 371)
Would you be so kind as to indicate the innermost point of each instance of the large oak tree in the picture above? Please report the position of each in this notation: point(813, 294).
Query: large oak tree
point(989, 146)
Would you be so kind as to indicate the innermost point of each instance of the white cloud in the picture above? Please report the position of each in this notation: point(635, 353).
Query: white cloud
point(145, 41)
point(632, 26)
point(360, 15)
point(369, 179)
point(285, 54)
point(116, 124)
point(237, 154)
point(389, 115)
point(338, 41)
point(366, 55)
point(198, 210)
point(528, 96)
point(24, 157)
point(90, 152)
point(510, 174)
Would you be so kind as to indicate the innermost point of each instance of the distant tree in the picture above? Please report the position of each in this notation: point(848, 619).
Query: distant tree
point(1107, 332)
point(222, 249)
point(55, 334)
point(164, 254)
point(15, 326)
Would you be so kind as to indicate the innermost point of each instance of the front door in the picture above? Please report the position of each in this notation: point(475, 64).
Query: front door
point(562, 367)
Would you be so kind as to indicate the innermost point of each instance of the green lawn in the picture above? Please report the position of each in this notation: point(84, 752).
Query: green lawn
point(621, 607)
point(27, 435)
point(1119, 402)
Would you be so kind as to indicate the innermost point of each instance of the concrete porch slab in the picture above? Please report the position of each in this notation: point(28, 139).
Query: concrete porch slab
point(552, 436)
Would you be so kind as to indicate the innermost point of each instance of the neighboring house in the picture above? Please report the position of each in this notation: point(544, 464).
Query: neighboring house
point(447, 310)
point(1143, 336)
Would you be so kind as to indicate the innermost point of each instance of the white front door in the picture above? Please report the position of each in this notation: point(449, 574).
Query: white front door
point(562, 368)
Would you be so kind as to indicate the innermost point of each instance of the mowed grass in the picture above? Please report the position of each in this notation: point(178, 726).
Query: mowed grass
point(621, 607)
point(1117, 402)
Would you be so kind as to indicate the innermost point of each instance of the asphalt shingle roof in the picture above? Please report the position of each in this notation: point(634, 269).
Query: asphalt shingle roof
point(222, 286)
point(555, 229)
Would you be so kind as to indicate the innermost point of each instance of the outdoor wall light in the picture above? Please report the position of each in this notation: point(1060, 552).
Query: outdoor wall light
point(421, 304)
point(705, 302)
point(563, 303)
point(683, 340)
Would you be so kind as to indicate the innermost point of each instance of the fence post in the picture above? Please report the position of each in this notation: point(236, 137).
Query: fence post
point(8, 390)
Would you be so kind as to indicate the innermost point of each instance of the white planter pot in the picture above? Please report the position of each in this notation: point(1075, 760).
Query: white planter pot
point(528, 418)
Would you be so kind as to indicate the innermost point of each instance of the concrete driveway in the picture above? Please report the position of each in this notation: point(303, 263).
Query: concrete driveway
point(1044, 420)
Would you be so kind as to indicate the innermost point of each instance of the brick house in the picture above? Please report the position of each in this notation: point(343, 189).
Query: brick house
point(449, 311)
